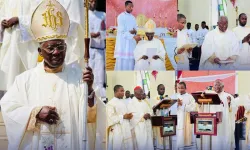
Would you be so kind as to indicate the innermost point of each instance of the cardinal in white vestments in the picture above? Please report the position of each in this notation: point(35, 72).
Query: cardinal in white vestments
point(185, 131)
point(150, 54)
point(140, 123)
point(126, 39)
point(225, 136)
point(119, 130)
point(97, 44)
point(183, 54)
point(220, 49)
point(44, 107)
point(243, 34)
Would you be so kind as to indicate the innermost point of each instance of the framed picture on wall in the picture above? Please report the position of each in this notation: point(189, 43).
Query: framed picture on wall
point(205, 125)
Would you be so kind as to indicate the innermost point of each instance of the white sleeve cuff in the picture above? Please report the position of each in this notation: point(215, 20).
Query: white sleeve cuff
point(121, 118)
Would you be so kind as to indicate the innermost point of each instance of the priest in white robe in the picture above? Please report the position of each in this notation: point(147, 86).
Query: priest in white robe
point(225, 129)
point(127, 97)
point(243, 34)
point(185, 130)
point(150, 54)
point(97, 44)
point(18, 52)
point(182, 54)
point(140, 123)
point(126, 39)
point(220, 49)
point(202, 33)
point(44, 107)
point(119, 130)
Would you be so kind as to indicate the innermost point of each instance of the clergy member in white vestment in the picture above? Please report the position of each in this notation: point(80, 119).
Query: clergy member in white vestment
point(245, 99)
point(225, 129)
point(183, 55)
point(16, 53)
point(19, 51)
point(150, 54)
point(243, 34)
point(220, 49)
point(202, 33)
point(126, 39)
point(185, 130)
point(140, 123)
point(44, 107)
point(195, 35)
point(119, 130)
point(127, 97)
point(190, 31)
point(97, 44)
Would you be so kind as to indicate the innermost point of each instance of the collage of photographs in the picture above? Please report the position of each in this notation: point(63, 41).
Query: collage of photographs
point(124, 75)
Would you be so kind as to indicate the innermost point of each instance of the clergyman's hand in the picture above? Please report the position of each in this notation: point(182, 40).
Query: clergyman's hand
point(146, 116)
point(4, 24)
point(137, 38)
point(95, 35)
point(179, 102)
point(13, 21)
point(103, 25)
point(128, 116)
point(217, 60)
point(144, 57)
point(155, 57)
point(48, 114)
point(133, 31)
point(181, 50)
point(88, 77)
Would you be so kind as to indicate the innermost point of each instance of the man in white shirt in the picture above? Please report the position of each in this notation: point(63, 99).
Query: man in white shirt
point(150, 54)
point(243, 34)
point(220, 48)
point(97, 44)
point(202, 33)
point(190, 31)
point(183, 54)
point(126, 39)
point(195, 35)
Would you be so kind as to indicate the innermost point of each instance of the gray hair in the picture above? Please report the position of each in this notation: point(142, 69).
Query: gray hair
point(221, 82)
point(222, 17)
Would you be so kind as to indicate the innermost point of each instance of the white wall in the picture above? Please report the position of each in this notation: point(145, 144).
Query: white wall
point(196, 11)
point(125, 78)
point(167, 78)
point(243, 82)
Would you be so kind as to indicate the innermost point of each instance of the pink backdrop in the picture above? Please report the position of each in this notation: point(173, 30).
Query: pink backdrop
point(150, 8)
point(194, 86)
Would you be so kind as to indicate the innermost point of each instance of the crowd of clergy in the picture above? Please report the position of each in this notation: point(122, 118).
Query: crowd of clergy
point(130, 127)
point(217, 49)
point(134, 52)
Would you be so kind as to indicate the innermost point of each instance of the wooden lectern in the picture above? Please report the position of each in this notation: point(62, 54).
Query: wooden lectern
point(205, 123)
point(168, 123)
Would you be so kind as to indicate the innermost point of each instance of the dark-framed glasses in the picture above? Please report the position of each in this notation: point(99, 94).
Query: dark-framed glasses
point(51, 49)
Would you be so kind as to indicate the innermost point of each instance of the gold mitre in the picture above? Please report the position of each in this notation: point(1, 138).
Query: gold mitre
point(50, 21)
point(150, 26)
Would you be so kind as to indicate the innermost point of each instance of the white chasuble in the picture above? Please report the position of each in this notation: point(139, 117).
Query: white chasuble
point(36, 88)
point(119, 130)
point(141, 129)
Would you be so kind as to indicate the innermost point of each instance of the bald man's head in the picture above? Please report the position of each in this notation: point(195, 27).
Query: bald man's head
point(218, 86)
point(222, 23)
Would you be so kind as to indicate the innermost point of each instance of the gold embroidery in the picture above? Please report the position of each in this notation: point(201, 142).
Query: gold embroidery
point(45, 38)
point(51, 20)
point(33, 124)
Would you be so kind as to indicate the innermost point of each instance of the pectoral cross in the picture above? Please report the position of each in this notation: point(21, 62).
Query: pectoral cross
point(52, 19)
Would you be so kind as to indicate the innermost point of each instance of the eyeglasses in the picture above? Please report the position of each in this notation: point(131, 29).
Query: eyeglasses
point(51, 49)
